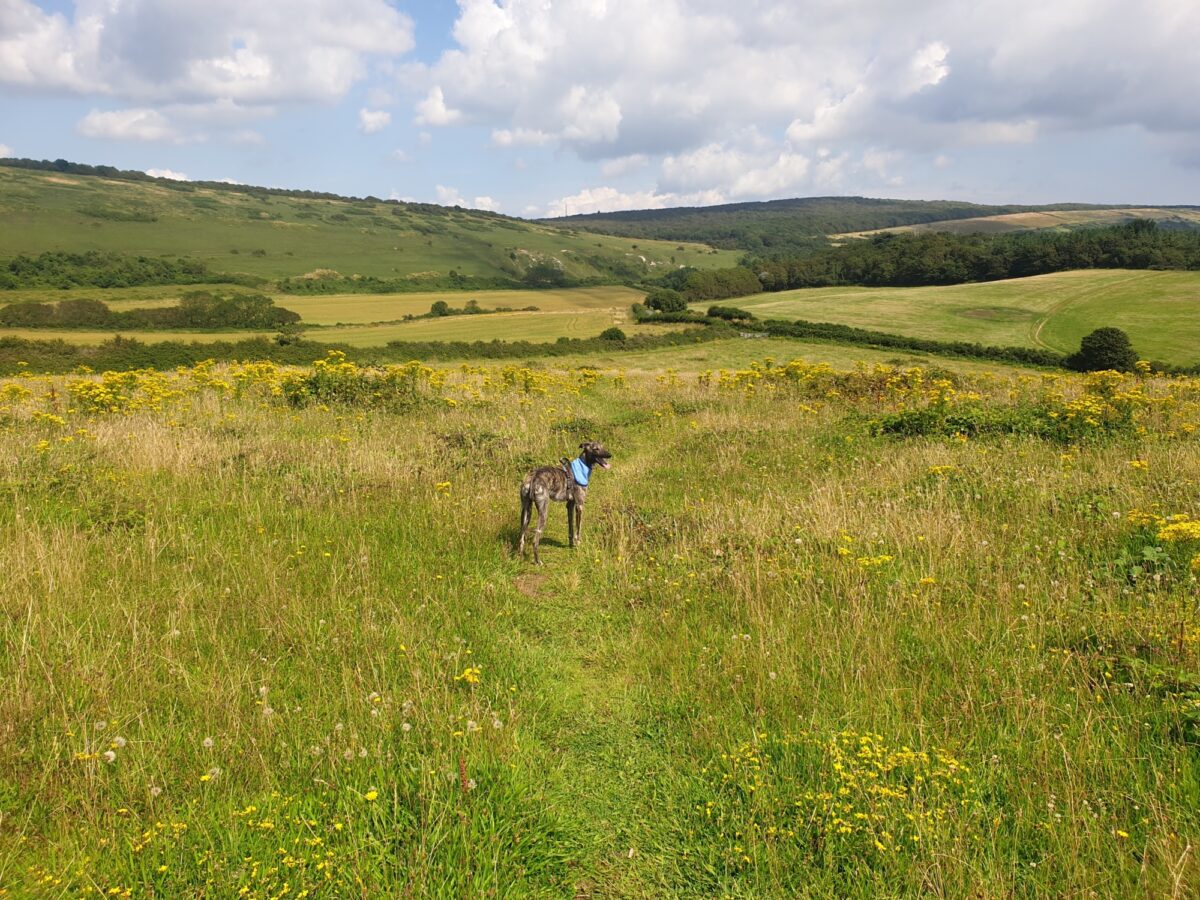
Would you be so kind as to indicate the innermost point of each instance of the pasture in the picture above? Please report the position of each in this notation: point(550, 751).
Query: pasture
point(278, 237)
point(1159, 310)
point(368, 320)
point(1046, 219)
point(833, 630)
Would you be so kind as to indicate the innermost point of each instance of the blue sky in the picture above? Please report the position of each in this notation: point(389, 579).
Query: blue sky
point(538, 107)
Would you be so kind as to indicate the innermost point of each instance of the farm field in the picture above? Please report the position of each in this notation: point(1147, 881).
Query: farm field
point(278, 237)
point(366, 320)
point(914, 631)
point(1040, 220)
point(1159, 310)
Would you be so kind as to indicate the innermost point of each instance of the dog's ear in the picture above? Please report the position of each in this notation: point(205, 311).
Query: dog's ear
point(584, 445)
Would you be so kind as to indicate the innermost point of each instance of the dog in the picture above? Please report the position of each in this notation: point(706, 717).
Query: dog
point(568, 483)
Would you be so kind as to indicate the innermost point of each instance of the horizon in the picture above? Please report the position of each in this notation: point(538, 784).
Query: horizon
point(540, 111)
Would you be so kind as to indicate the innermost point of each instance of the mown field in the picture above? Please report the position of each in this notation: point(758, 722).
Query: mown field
point(1046, 219)
point(832, 631)
point(369, 320)
point(1159, 310)
point(278, 237)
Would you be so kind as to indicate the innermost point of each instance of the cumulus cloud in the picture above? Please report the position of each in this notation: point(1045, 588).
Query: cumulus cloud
point(449, 196)
point(5, 151)
point(872, 83)
point(624, 165)
point(244, 56)
point(373, 120)
point(128, 125)
point(433, 110)
point(167, 173)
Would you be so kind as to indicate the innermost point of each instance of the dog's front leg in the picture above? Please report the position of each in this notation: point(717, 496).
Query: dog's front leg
point(578, 522)
point(570, 523)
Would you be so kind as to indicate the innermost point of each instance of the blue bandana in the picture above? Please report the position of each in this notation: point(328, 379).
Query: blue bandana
point(580, 471)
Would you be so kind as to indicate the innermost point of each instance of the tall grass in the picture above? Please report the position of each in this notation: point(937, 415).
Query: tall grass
point(264, 634)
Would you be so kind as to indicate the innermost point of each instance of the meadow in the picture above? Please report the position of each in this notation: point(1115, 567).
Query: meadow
point(1158, 309)
point(276, 237)
point(371, 320)
point(836, 628)
point(1045, 219)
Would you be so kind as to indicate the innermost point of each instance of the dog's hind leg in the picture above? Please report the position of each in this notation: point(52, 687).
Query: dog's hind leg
point(526, 514)
point(578, 522)
point(541, 501)
point(570, 523)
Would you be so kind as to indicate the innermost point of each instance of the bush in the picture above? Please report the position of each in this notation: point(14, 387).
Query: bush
point(1104, 348)
point(731, 314)
point(666, 300)
point(612, 334)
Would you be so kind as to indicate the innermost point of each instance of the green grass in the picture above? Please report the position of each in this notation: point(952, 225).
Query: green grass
point(366, 320)
point(1159, 310)
point(278, 237)
point(303, 636)
point(1042, 220)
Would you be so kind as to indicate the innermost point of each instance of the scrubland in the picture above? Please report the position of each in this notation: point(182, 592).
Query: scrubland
point(832, 631)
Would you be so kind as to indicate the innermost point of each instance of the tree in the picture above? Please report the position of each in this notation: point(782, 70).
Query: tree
point(666, 300)
point(439, 308)
point(1104, 348)
point(612, 334)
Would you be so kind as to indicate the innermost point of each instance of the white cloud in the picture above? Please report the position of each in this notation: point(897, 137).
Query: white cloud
point(608, 199)
point(167, 173)
point(449, 196)
point(5, 150)
point(670, 80)
point(373, 120)
point(623, 165)
point(156, 53)
point(737, 173)
point(520, 137)
point(401, 156)
point(128, 125)
point(433, 110)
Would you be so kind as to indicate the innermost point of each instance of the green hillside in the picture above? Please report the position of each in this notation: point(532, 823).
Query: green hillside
point(785, 225)
point(276, 236)
point(1055, 220)
point(1159, 310)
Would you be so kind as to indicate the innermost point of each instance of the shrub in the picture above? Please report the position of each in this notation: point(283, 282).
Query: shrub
point(612, 334)
point(1104, 348)
point(731, 314)
point(666, 300)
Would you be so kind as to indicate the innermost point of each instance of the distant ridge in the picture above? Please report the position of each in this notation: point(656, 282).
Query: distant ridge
point(782, 225)
point(65, 167)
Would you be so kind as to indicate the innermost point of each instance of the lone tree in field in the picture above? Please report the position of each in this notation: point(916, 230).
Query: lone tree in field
point(1104, 348)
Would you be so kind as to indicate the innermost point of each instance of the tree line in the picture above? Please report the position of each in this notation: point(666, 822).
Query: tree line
point(939, 258)
point(198, 309)
point(96, 268)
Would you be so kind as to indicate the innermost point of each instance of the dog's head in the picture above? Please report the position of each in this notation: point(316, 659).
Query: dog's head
point(593, 454)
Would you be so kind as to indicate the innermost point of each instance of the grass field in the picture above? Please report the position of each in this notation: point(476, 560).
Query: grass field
point(257, 647)
point(366, 320)
point(1055, 220)
point(1159, 310)
point(276, 237)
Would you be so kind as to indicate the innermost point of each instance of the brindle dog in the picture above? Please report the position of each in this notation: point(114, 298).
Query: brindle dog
point(549, 483)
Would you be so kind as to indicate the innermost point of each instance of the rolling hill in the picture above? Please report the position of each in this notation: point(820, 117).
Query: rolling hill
point(1053, 220)
point(786, 225)
point(277, 234)
point(1159, 310)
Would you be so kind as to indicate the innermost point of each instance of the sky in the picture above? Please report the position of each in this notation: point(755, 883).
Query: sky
point(545, 107)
